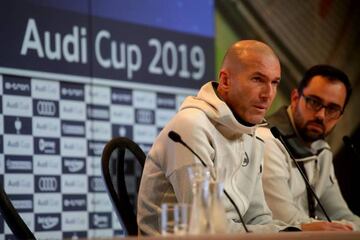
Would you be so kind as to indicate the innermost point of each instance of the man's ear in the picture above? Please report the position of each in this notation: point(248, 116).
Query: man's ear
point(224, 81)
point(295, 97)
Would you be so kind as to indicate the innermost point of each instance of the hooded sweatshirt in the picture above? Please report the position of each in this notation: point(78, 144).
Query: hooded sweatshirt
point(284, 187)
point(208, 126)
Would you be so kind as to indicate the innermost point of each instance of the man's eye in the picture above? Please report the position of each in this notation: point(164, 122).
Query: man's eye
point(276, 83)
point(314, 102)
point(333, 109)
point(256, 79)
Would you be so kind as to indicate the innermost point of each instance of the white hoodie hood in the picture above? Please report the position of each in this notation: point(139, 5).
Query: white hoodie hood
point(217, 110)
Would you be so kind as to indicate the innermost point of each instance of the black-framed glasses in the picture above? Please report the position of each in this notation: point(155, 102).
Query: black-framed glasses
point(332, 111)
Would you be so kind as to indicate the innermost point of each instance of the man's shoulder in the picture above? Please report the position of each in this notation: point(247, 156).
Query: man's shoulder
point(279, 115)
point(187, 122)
point(258, 139)
point(281, 120)
point(264, 133)
point(191, 115)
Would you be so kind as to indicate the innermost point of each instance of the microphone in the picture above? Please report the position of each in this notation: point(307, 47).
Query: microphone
point(350, 144)
point(276, 133)
point(177, 138)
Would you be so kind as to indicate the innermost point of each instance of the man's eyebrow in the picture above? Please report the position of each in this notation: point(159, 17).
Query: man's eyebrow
point(263, 75)
point(259, 73)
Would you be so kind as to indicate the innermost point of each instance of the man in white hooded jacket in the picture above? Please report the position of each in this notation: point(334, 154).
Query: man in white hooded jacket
point(219, 124)
point(316, 107)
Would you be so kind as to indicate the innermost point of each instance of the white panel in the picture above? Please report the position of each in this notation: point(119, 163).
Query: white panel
point(73, 147)
point(18, 144)
point(47, 165)
point(144, 134)
point(122, 114)
point(72, 110)
point(43, 89)
point(19, 183)
point(46, 127)
point(75, 221)
point(143, 99)
point(75, 183)
point(47, 202)
point(98, 130)
point(97, 94)
point(17, 105)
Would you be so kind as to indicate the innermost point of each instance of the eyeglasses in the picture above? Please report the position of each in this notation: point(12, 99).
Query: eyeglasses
point(331, 111)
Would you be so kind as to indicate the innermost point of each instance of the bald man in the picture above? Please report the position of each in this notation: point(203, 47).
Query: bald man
point(219, 124)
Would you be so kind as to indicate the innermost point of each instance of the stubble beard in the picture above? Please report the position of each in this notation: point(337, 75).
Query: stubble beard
point(303, 130)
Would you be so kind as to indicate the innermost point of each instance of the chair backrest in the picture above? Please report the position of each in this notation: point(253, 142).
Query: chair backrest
point(115, 150)
point(12, 217)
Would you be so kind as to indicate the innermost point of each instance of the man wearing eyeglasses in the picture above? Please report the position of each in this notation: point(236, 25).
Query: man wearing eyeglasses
point(316, 106)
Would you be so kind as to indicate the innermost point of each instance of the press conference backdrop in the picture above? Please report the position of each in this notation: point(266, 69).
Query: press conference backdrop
point(73, 74)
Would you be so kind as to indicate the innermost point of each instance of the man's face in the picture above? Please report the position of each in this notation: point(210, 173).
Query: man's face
point(311, 124)
point(253, 87)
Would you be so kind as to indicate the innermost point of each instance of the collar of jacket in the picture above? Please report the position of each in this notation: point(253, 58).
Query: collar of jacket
point(217, 111)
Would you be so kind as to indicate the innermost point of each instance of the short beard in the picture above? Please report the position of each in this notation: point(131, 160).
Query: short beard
point(305, 134)
point(309, 136)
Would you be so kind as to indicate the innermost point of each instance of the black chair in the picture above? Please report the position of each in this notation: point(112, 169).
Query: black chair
point(12, 217)
point(116, 156)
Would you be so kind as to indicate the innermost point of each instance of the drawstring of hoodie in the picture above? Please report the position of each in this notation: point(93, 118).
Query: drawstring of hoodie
point(253, 144)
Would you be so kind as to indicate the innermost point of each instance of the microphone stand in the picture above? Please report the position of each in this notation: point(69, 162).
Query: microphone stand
point(279, 136)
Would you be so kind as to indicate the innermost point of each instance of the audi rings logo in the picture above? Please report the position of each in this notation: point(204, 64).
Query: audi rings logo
point(48, 184)
point(46, 108)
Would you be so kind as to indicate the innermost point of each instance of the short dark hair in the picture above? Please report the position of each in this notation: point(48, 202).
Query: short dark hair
point(331, 73)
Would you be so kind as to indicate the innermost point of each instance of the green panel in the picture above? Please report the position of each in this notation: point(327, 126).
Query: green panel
point(225, 36)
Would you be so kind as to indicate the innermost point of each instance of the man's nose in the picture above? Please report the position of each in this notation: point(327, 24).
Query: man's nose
point(321, 113)
point(267, 91)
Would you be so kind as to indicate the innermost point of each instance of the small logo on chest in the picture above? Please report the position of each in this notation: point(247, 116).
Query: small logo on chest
point(245, 161)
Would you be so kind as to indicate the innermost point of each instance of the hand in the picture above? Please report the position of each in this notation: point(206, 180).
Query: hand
point(326, 226)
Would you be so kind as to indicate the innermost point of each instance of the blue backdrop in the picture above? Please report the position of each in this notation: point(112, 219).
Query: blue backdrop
point(73, 74)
